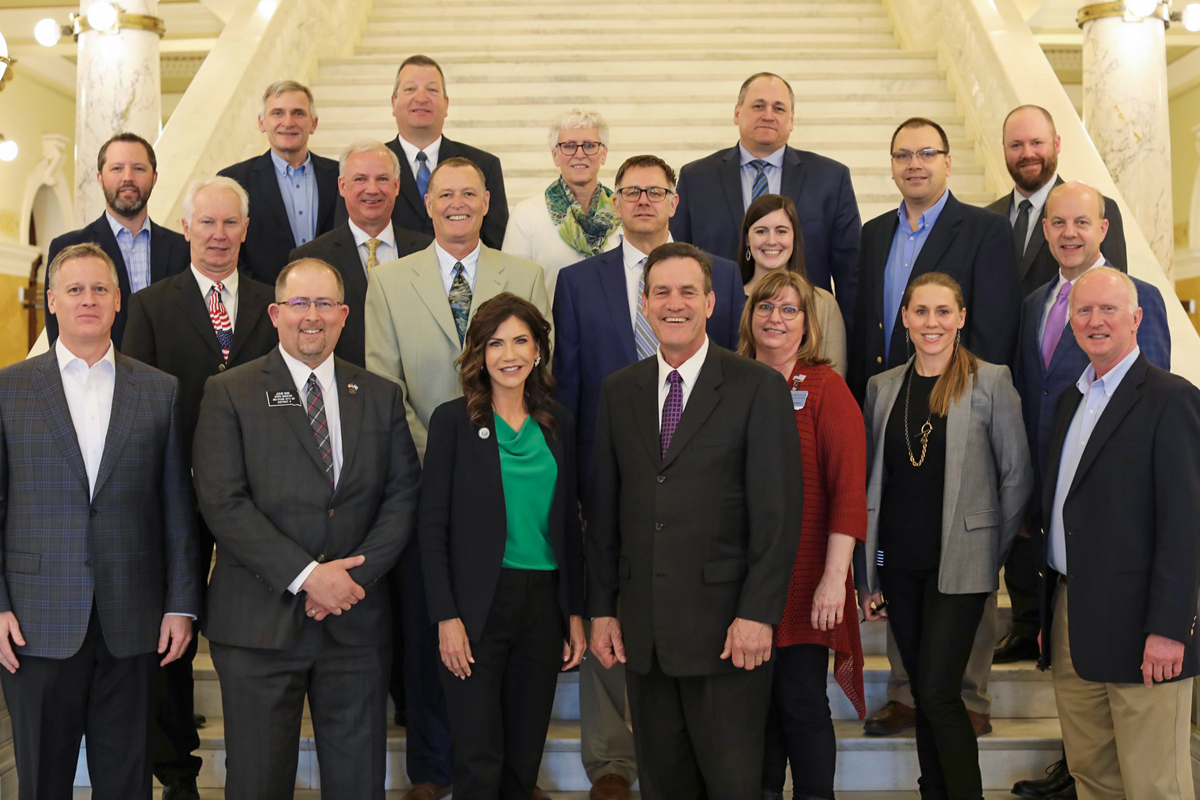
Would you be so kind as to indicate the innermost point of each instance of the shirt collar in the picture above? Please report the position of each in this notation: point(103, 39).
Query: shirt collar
point(928, 219)
point(688, 370)
point(632, 256)
point(117, 227)
point(282, 166)
point(300, 371)
point(66, 357)
point(411, 150)
point(1037, 199)
point(1100, 262)
point(1112, 379)
point(229, 282)
point(774, 160)
point(387, 235)
point(469, 262)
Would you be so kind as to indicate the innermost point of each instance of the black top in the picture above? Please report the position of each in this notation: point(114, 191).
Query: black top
point(910, 514)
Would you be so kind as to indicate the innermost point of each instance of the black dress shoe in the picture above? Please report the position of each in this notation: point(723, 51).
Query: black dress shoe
point(1015, 648)
point(199, 720)
point(181, 790)
point(1058, 779)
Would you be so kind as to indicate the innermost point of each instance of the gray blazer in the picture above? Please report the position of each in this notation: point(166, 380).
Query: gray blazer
point(988, 479)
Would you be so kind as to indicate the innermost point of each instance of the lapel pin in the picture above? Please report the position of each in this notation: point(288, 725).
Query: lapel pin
point(484, 433)
point(353, 387)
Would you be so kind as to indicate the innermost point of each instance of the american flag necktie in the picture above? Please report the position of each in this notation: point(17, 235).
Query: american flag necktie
point(220, 320)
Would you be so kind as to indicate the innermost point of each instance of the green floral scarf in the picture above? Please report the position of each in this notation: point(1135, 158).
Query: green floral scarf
point(585, 231)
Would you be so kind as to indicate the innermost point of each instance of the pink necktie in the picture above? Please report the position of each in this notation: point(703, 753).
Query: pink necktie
point(1055, 322)
point(672, 411)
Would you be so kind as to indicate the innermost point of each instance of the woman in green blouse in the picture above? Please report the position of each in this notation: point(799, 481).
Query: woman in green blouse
point(502, 550)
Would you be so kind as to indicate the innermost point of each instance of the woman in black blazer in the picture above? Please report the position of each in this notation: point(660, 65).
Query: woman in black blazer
point(502, 550)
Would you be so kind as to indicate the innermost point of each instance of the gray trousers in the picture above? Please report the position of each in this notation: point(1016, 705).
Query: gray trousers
point(607, 742)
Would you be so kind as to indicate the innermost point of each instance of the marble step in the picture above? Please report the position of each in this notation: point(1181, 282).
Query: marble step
point(572, 25)
point(679, 39)
point(458, 12)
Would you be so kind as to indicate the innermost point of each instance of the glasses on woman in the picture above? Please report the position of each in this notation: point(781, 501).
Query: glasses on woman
point(569, 148)
point(656, 194)
point(788, 311)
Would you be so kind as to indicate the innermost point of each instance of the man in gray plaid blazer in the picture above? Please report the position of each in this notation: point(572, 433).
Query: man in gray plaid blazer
point(97, 564)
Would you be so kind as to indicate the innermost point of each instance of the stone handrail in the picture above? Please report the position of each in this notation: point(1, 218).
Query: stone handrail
point(994, 65)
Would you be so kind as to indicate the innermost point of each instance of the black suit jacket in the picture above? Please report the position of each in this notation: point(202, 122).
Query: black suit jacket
point(1133, 556)
point(269, 238)
point(711, 211)
point(462, 519)
point(709, 533)
point(1037, 266)
point(338, 249)
point(169, 255)
point(971, 245)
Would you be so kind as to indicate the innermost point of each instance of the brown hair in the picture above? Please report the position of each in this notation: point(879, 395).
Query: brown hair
point(964, 365)
point(921, 122)
point(472, 363)
point(77, 251)
point(645, 161)
point(132, 138)
point(678, 250)
point(1045, 113)
point(459, 162)
point(774, 285)
point(758, 209)
point(419, 60)
point(746, 86)
point(300, 263)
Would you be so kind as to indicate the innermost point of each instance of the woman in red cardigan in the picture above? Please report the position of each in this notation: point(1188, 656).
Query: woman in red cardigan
point(821, 614)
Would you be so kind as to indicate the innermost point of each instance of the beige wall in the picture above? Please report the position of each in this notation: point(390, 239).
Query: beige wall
point(1185, 115)
point(29, 109)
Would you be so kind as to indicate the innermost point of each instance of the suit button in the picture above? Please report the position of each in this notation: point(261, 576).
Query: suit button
point(93, 513)
point(881, 326)
point(658, 526)
point(662, 478)
point(220, 367)
point(1045, 392)
point(1039, 574)
point(331, 513)
point(878, 359)
point(321, 558)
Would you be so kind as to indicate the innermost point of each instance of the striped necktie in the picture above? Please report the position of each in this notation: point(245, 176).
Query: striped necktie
point(372, 253)
point(460, 300)
point(643, 337)
point(316, 419)
point(760, 186)
point(220, 319)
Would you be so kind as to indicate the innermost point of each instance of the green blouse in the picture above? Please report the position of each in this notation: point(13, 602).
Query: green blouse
point(529, 474)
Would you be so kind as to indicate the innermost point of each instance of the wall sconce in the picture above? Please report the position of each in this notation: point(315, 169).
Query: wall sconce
point(5, 62)
point(8, 149)
point(102, 17)
point(1138, 10)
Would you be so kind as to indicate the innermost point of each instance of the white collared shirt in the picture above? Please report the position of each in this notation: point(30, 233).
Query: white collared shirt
point(229, 287)
point(385, 252)
point(446, 264)
point(411, 150)
point(688, 370)
point(89, 392)
point(1037, 201)
point(1058, 283)
point(635, 263)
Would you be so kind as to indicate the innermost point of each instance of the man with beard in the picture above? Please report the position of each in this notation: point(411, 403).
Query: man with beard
point(143, 251)
point(1031, 148)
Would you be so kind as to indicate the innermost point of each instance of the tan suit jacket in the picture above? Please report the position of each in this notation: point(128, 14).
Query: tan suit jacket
point(410, 334)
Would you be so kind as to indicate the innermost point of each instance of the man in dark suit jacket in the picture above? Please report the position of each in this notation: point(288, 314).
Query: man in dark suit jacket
point(178, 325)
point(1031, 148)
point(144, 252)
point(691, 537)
point(931, 232)
point(715, 191)
point(1120, 556)
point(99, 555)
point(368, 180)
point(307, 478)
point(293, 191)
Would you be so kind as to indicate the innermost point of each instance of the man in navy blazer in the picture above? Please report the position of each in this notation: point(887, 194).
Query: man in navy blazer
point(143, 252)
point(715, 191)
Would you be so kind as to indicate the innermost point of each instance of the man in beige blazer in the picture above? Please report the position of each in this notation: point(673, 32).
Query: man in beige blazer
point(418, 309)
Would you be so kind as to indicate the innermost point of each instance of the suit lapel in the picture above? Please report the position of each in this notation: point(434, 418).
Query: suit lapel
point(730, 174)
point(263, 175)
point(427, 280)
point(612, 281)
point(1123, 399)
point(52, 399)
point(1065, 345)
point(350, 412)
point(121, 420)
point(327, 191)
point(882, 247)
point(791, 182)
point(160, 251)
point(276, 378)
point(958, 422)
point(193, 308)
point(1037, 238)
point(351, 267)
point(489, 281)
point(1063, 412)
point(251, 306)
point(940, 237)
point(700, 404)
point(645, 407)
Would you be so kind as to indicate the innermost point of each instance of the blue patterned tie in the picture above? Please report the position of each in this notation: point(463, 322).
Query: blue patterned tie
point(672, 411)
point(760, 179)
point(643, 335)
point(422, 174)
point(460, 300)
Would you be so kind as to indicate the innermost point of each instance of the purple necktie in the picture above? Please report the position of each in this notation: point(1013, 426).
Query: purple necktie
point(672, 411)
point(1055, 322)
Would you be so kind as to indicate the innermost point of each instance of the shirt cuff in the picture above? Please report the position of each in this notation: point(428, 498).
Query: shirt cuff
point(192, 617)
point(294, 586)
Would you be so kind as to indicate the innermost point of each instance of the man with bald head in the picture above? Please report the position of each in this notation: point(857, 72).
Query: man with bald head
point(1119, 555)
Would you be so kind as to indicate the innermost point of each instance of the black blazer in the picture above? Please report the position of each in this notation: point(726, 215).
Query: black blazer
point(1037, 266)
point(269, 238)
point(971, 245)
point(462, 525)
point(338, 249)
point(1133, 557)
point(169, 255)
point(169, 328)
point(688, 542)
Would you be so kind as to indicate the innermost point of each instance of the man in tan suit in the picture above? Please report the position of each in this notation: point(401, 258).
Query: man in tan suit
point(418, 309)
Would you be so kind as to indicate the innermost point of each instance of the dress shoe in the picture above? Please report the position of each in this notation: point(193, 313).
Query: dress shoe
point(199, 720)
point(427, 791)
point(538, 794)
point(892, 718)
point(610, 787)
point(1015, 648)
point(1058, 780)
point(982, 723)
point(770, 795)
point(181, 790)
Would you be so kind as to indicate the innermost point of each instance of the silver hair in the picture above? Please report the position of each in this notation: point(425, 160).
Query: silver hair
point(1130, 287)
point(368, 146)
point(217, 182)
point(279, 87)
point(576, 119)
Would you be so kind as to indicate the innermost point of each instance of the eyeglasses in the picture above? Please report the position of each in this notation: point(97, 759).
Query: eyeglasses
point(656, 194)
point(787, 311)
point(925, 156)
point(304, 303)
point(589, 148)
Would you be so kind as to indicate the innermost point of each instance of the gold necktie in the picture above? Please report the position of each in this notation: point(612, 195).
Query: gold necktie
point(372, 259)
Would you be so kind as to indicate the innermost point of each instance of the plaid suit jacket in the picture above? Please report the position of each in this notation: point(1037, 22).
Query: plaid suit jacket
point(130, 549)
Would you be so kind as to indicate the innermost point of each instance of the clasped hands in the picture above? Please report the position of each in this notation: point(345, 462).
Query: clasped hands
point(329, 589)
point(455, 647)
point(747, 643)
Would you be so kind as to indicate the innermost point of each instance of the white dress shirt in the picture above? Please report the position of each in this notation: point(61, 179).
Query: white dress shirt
point(1037, 200)
point(229, 287)
point(688, 370)
point(635, 264)
point(89, 392)
point(446, 264)
point(1049, 304)
point(385, 252)
point(328, 381)
point(411, 150)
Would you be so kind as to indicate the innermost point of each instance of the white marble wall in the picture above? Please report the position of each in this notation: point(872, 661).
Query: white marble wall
point(1125, 110)
point(117, 88)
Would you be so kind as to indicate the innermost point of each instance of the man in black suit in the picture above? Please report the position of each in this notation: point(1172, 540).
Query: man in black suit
point(692, 530)
point(224, 324)
point(715, 191)
point(1031, 148)
point(1120, 556)
point(368, 181)
point(142, 250)
point(293, 191)
point(419, 104)
point(307, 477)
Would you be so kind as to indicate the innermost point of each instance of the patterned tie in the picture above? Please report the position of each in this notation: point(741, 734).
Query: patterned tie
point(672, 411)
point(422, 174)
point(220, 320)
point(372, 256)
point(1056, 320)
point(1021, 227)
point(760, 179)
point(316, 419)
point(643, 335)
point(460, 300)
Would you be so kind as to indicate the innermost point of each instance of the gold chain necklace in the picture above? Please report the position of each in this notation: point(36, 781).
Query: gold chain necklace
point(926, 429)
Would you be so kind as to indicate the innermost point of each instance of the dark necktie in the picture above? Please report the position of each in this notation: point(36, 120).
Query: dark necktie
point(320, 426)
point(1021, 228)
point(672, 411)
point(760, 186)
point(422, 174)
point(460, 300)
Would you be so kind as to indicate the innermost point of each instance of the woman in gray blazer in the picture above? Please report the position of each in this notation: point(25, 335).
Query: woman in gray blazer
point(949, 478)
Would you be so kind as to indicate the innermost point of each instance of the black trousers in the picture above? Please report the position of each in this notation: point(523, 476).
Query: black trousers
point(799, 723)
point(934, 633)
point(429, 755)
point(1021, 579)
point(54, 702)
point(262, 696)
point(699, 737)
point(395, 581)
point(501, 713)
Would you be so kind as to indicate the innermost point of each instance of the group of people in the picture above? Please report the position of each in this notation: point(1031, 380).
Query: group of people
point(447, 452)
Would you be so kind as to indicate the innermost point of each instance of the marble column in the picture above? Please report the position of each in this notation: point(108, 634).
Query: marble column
point(117, 88)
point(1125, 112)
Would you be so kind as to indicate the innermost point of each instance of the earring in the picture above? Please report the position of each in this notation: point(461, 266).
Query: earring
point(748, 256)
point(537, 362)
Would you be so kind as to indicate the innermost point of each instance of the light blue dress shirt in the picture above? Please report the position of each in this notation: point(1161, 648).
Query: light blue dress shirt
point(135, 251)
point(298, 185)
point(774, 172)
point(906, 246)
point(1096, 394)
